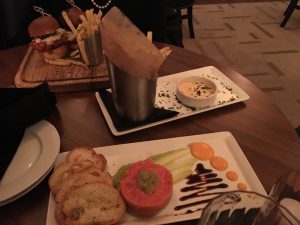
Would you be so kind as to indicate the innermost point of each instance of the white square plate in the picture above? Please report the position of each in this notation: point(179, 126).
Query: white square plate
point(228, 93)
point(223, 144)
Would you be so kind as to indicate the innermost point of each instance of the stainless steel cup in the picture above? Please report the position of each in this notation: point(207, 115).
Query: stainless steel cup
point(93, 48)
point(134, 97)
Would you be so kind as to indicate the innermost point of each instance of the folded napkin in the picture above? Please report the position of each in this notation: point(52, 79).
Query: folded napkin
point(20, 108)
point(123, 124)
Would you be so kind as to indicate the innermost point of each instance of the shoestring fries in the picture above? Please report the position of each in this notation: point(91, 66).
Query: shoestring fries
point(90, 24)
point(89, 27)
point(149, 35)
point(166, 51)
point(65, 62)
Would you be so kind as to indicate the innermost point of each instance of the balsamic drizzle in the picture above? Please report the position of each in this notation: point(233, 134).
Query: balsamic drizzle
point(198, 184)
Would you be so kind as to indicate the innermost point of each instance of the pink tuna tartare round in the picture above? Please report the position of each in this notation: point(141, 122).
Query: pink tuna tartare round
point(146, 188)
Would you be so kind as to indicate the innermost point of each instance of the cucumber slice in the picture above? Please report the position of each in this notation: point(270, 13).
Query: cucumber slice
point(181, 162)
point(163, 154)
point(181, 173)
point(168, 157)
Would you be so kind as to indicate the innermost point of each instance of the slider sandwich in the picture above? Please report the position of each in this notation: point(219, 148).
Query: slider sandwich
point(48, 38)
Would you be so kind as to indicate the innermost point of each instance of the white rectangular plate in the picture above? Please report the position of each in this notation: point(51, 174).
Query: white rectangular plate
point(223, 144)
point(228, 93)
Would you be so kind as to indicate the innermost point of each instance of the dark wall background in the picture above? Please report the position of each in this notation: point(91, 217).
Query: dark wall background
point(15, 16)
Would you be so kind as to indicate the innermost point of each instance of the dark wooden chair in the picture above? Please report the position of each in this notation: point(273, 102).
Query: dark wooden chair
point(179, 5)
point(289, 11)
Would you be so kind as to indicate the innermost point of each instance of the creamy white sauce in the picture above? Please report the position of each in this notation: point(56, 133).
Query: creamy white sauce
point(197, 90)
point(54, 37)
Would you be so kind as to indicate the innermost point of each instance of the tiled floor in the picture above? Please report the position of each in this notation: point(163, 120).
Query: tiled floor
point(228, 1)
point(247, 37)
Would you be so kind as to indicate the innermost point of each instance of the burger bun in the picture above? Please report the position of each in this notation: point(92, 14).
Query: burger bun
point(73, 14)
point(42, 25)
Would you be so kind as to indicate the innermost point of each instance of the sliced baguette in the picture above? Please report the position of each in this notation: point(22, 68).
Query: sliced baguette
point(92, 203)
point(86, 153)
point(65, 170)
point(89, 175)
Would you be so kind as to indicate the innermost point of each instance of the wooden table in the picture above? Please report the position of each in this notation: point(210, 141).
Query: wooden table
point(264, 134)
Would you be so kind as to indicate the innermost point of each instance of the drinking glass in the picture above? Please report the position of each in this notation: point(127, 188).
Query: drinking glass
point(286, 191)
point(245, 208)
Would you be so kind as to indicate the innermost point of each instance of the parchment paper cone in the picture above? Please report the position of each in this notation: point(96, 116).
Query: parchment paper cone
point(127, 47)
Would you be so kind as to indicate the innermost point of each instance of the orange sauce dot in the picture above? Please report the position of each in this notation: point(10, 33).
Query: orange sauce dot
point(201, 151)
point(242, 186)
point(219, 163)
point(231, 175)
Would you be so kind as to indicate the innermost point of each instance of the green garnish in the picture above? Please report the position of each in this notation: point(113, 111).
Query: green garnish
point(147, 181)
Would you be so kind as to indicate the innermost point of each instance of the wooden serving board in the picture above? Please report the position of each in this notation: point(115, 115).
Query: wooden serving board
point(34, 71)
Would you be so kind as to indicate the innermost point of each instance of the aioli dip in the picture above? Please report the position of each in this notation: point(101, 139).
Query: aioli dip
point(197, 90)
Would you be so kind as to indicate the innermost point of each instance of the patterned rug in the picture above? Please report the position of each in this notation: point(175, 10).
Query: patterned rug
point(247, 37)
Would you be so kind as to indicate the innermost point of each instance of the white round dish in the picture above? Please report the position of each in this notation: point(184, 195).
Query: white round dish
point(196, 91)
point(33, 160)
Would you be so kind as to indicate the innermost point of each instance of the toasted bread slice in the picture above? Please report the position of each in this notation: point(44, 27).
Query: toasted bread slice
point(89, 175)
point(59, 216)
point(65, 170)
point(86, 153)
point(92, 203)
